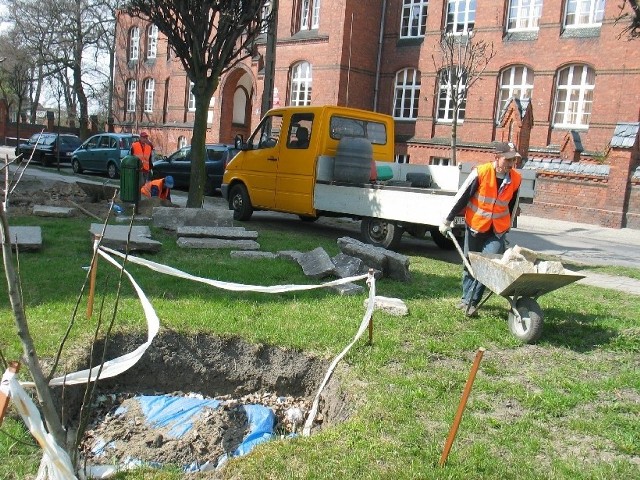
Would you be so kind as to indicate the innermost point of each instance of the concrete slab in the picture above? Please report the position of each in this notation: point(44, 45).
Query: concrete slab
point(393, 306)
point(217, 243)
point(231, 233)
point(25, 238)
point(252, 254)
point(116, 237)
point(49, 211)
point(172, 218)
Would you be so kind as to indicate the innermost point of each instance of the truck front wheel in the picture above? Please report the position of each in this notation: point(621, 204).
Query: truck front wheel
point(240, 203)
point(380, 233)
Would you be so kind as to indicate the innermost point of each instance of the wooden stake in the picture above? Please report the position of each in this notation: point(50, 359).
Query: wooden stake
point(371, 319)
point(461, 407)
point(14, 367)
point(92, 278)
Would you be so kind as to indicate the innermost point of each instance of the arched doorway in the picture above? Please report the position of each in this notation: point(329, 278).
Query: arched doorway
point(237, 101)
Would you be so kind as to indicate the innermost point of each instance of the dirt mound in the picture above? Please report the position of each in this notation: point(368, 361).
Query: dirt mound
point(32, 191)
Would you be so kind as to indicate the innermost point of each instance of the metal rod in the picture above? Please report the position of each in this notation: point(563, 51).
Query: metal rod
point(461, 407)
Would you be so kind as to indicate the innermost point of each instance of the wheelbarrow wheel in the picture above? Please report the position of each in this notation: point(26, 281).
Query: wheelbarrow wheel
point(528, 327)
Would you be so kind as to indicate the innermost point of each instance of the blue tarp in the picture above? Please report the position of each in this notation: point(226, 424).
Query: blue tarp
point(178, 414)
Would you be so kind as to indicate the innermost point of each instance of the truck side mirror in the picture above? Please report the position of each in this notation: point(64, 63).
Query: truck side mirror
point(239, 142)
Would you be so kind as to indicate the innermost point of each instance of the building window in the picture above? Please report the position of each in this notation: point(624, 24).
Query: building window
point(191, 102)
point(134, 43)
point(414, 18)
point(444, 161)
point(301, 80)
point(239, 106)
point(152, 41)
point(402, 158)
point(407, 94)
point(182, 142)
point(584, 13)
point(149, 90)
point(131, 96)
point(450, 89)
point(461, 16)
point(574, 96)
point(309, 14)
point(516, 81)
point(524, 15)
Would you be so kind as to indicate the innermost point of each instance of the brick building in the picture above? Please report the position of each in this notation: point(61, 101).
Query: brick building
point(563, 86)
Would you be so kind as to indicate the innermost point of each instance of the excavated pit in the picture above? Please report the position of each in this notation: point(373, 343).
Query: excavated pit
point(228, 369)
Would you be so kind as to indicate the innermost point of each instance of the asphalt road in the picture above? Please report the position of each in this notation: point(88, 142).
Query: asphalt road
point(569, 242)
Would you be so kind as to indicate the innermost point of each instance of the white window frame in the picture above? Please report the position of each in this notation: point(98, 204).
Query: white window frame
point(134, 43)
point(573, 101)
point(524, 15)
point(149, 91)
point(191, 102)
point(583, 13)
point(413, 21)
point(131, 95)
point(510, 87)
point(444, 161)
point(406, 97)
point(460, 8)
point(445, 99)
point(309, 14)
point(182, 142)
point(152, 41)
point(402, 158)
point(301, 84)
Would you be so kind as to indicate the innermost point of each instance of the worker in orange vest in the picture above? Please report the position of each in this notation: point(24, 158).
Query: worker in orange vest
point(160, 188)
point(143, 149)
point(488, 198)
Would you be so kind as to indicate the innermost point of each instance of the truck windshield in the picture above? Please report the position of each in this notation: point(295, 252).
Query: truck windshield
point(375, 132)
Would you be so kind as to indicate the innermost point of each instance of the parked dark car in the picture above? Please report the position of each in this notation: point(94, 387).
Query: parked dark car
point(178, 165)
point(102, 153)
point(46, 148)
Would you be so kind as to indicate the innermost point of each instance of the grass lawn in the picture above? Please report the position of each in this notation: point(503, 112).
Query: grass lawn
point(566, 408)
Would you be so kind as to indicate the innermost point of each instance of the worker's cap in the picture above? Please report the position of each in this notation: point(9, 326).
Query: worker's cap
point(507, 150)
point(144, 134)
point(168, 181)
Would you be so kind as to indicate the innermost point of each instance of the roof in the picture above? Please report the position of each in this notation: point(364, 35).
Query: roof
point(625, 135)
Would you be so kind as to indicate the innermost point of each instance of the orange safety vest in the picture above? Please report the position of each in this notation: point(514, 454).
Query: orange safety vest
point(143, 152)
point(163, 191)
point(489, 208)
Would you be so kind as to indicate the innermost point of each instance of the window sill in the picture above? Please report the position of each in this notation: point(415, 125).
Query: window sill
point(410, 41)
point(581, 32)
point(521, 36)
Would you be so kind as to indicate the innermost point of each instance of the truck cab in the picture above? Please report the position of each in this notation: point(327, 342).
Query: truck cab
point(278, 165)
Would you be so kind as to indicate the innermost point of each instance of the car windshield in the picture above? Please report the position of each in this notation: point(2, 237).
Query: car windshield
point(125, 142)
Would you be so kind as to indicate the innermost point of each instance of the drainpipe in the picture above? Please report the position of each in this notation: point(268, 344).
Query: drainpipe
point(379, 59)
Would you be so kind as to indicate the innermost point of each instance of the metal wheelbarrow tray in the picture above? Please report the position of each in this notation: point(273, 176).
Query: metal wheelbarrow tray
point(521, 289)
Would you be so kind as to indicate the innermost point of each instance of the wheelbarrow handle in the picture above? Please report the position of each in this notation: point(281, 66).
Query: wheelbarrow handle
point(464, 259)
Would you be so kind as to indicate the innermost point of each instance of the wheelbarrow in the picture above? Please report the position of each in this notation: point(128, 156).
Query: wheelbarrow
point(521, 289)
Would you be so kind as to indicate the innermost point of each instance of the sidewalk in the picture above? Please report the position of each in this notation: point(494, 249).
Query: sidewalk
point(580, 230)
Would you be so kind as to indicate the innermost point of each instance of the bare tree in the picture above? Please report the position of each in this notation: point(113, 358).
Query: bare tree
point(15, 73)
point(208, 37)
point(461, 63)
point(632, 30)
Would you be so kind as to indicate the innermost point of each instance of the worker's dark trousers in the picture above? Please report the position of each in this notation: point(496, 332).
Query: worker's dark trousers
point(488, 242)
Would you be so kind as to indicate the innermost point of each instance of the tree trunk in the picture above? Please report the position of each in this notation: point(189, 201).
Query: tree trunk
point(51, 417)
point(203, 96)
point(454, 136)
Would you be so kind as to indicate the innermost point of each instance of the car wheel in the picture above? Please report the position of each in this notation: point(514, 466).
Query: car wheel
point(240, 203)
point(44, 160)
point(209, 190)
point(380, 233)
point(112, 170)
point(75, 165)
